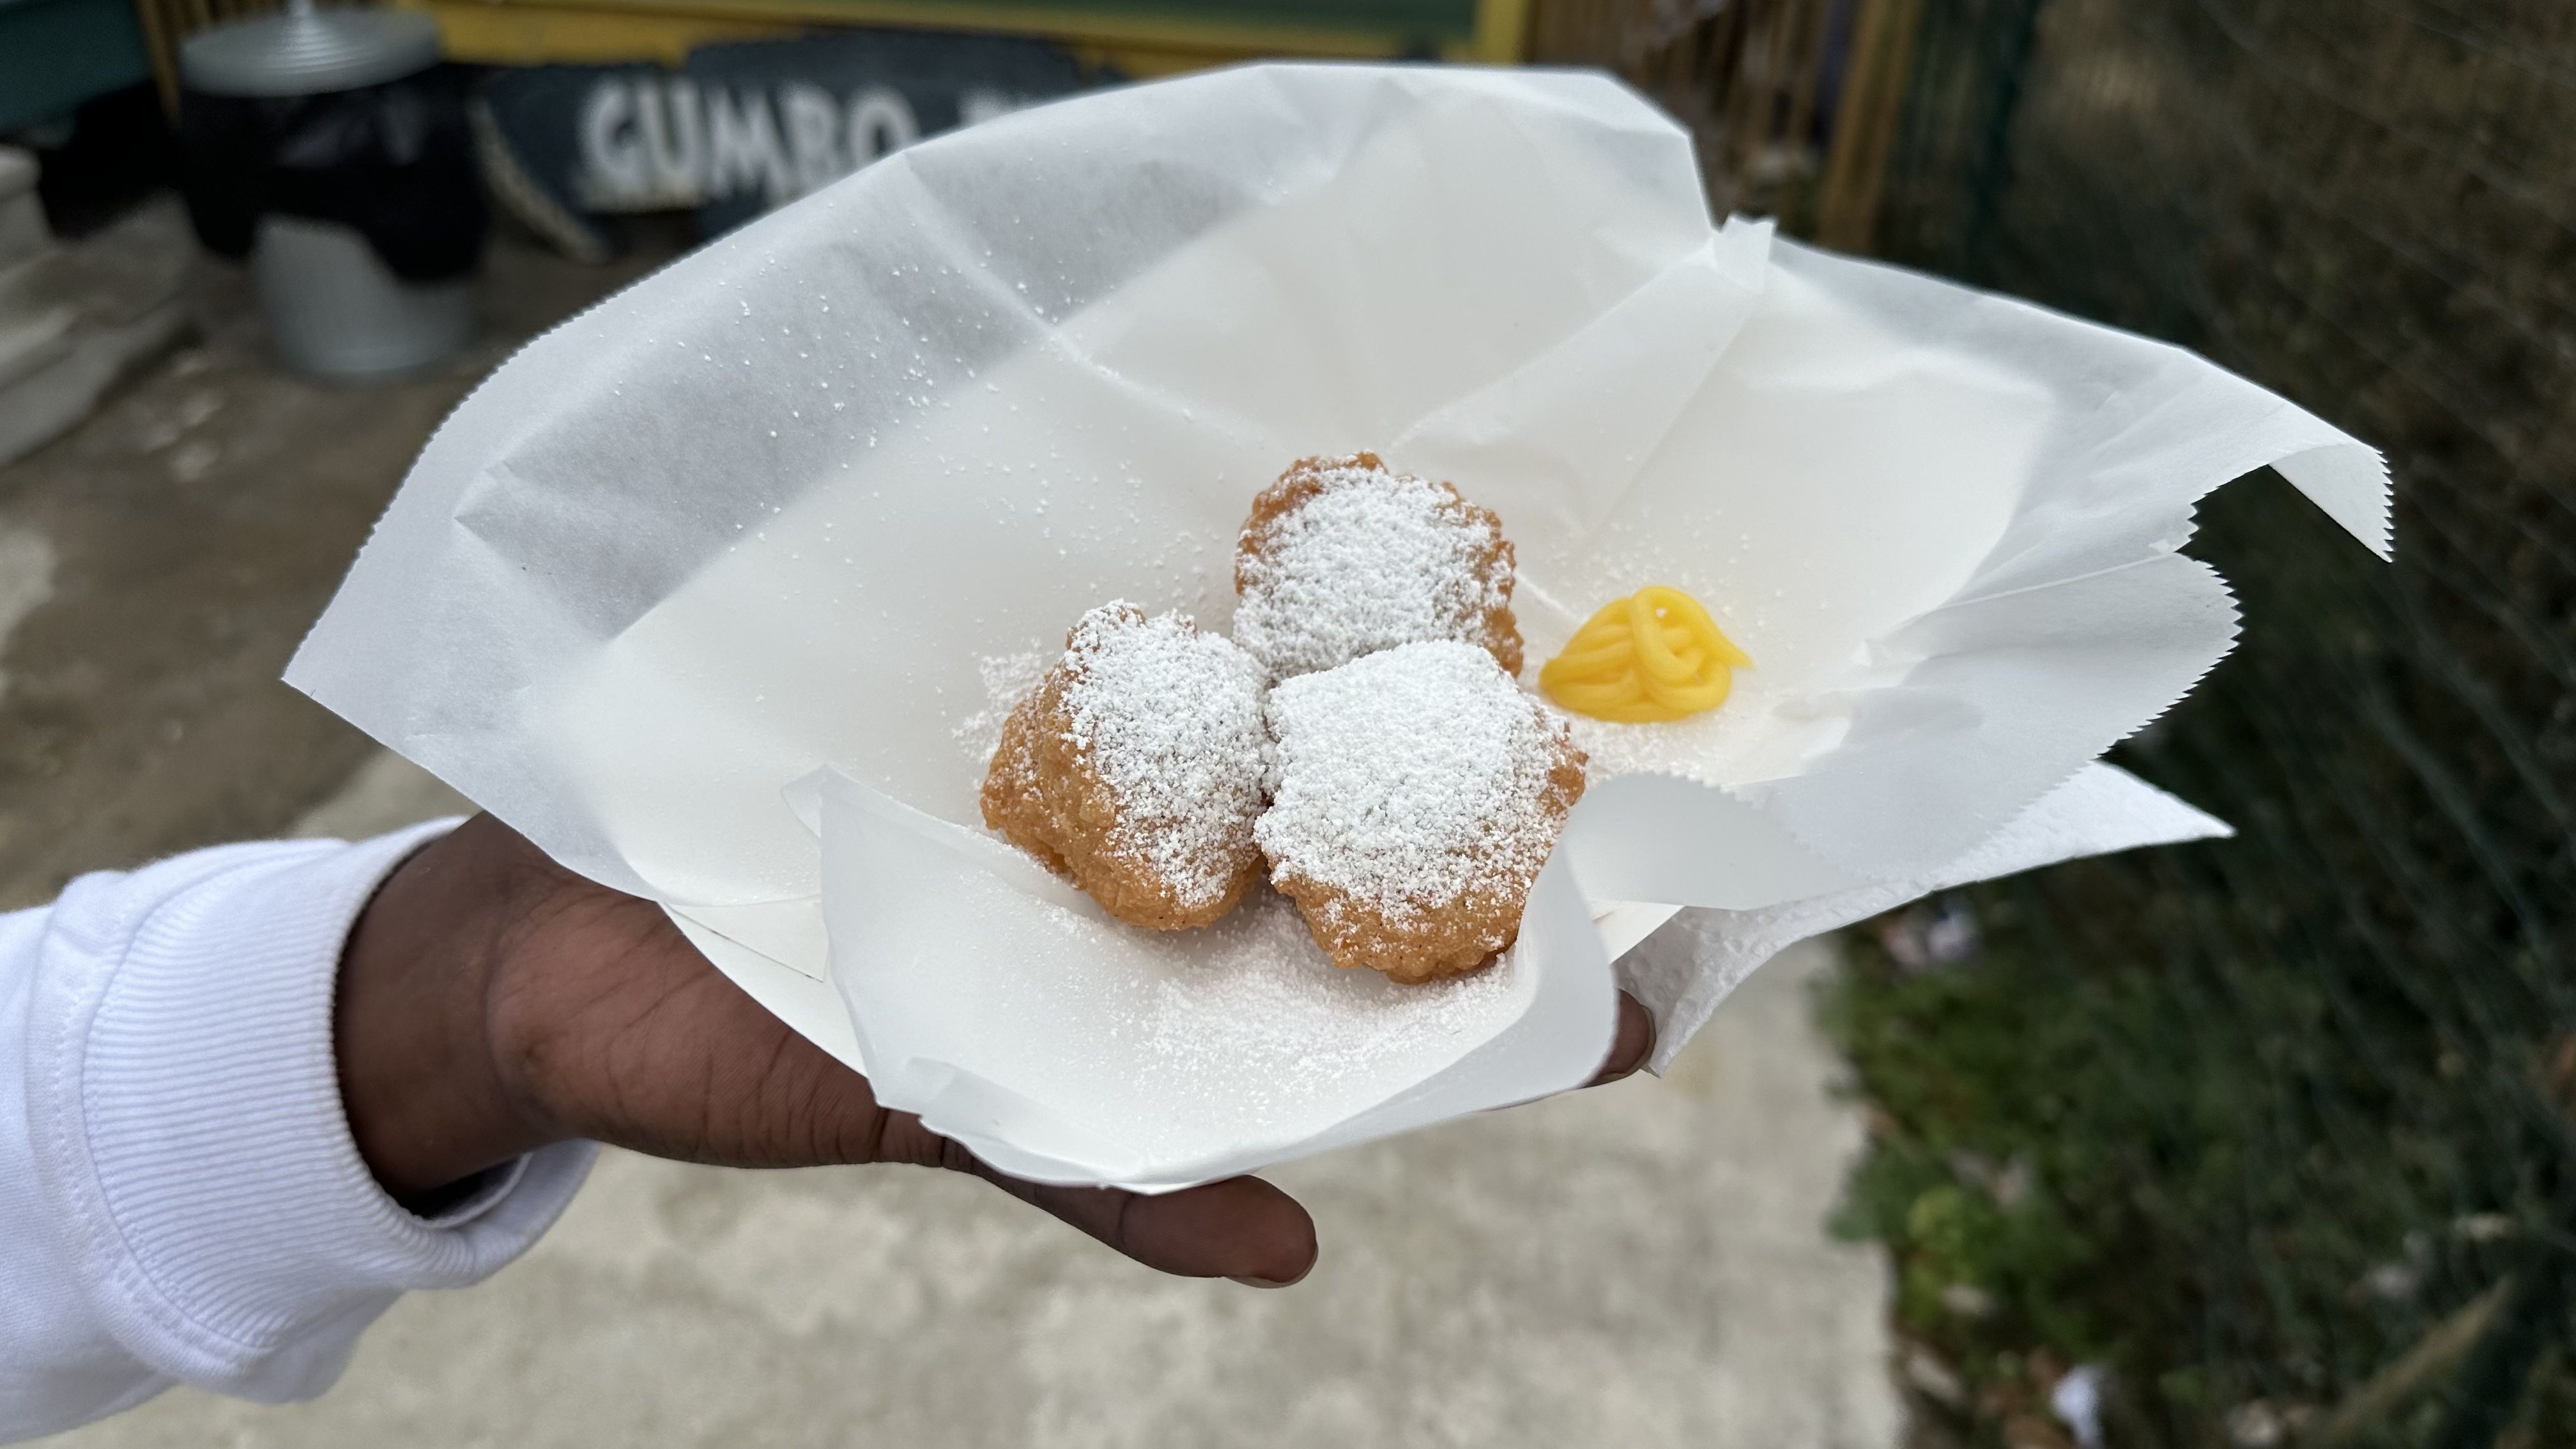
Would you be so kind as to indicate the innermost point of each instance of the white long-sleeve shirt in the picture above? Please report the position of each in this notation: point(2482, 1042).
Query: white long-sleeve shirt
point(180, 1199)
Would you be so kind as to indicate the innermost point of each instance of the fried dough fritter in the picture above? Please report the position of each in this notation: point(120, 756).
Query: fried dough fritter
point(1343, 557)
point(1418, 793)
point(1136, 768)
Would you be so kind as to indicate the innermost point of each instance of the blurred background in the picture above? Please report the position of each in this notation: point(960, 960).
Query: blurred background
point(2256, 1143)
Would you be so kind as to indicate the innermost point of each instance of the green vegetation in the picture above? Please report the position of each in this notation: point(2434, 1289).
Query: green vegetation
point(2277, 1129)
point(2188, 1178)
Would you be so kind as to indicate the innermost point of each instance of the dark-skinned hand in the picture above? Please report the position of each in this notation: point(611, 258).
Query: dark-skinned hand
point(492, 1002)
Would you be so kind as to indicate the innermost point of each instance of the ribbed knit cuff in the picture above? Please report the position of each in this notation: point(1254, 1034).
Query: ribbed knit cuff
point(186, 1108)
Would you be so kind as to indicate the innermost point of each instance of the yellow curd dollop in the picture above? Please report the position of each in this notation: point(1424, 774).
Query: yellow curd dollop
point(1651, 657)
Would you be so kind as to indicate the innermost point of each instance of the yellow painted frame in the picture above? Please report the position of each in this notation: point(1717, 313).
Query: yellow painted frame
point(526, 32)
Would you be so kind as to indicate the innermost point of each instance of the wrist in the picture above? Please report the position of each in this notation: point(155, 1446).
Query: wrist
point(422, 1078)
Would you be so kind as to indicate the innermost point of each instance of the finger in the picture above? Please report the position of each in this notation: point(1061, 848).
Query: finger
point(1241, 1228)
point(1630, 1044)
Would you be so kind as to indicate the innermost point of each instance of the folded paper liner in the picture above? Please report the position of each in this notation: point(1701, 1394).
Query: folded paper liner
point(706, 590)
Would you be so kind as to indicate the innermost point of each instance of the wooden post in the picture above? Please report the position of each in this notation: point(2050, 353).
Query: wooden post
point(1873, 101)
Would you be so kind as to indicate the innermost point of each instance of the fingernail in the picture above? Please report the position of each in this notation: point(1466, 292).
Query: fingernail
point(1273, 1282)
point(1621, 1074)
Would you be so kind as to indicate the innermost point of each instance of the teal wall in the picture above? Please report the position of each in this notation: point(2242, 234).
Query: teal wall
point(55, 54)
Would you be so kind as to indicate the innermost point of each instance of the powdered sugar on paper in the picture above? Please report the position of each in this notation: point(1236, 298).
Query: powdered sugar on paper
point(1007, 680)
point(1252, 1001)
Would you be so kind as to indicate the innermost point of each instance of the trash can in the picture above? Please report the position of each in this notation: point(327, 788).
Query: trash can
point(331, 149)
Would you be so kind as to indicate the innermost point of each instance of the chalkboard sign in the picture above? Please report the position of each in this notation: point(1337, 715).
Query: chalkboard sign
point(740, 128)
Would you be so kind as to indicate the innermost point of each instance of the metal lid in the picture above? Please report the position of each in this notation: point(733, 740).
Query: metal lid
point(304, 52)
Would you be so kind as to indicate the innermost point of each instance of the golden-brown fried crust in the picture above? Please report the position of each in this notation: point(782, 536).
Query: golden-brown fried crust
point(1042, 793)
point(1500, 632)
point(1013, 801)
point(1451, 938)
point(1502, 637)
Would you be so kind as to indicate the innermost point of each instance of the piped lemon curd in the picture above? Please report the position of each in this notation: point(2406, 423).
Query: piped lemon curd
point(1652, 657)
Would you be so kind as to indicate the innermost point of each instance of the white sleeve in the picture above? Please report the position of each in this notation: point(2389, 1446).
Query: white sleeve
point(180, 1199)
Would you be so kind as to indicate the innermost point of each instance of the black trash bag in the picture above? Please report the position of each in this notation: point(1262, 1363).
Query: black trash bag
point(394, 162)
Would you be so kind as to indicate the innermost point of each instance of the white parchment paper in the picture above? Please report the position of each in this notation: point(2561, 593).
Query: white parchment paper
point(702, 589)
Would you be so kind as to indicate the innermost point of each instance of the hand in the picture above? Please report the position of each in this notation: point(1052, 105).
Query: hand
point(492, 1002)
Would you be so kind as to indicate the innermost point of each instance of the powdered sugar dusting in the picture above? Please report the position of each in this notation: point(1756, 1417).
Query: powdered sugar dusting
point(1171, 718)
point(1374, 560)
point(1251, 1001)
point(1410, 777)
point(1007, 679)
point(1684, 747)
point(1757, 735)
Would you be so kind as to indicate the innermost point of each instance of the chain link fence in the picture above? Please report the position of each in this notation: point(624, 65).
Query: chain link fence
point(2272, 1135)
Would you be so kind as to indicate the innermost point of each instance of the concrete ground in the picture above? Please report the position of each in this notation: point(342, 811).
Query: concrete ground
point(1644, 1264)
point(159, 563)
